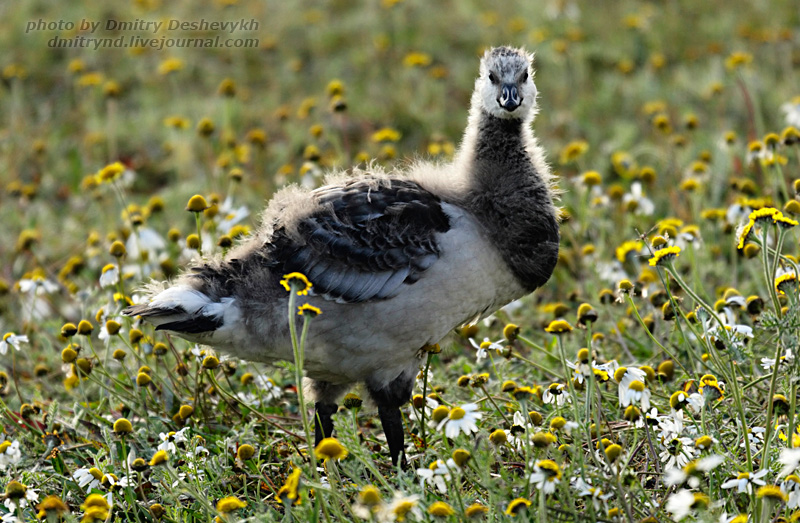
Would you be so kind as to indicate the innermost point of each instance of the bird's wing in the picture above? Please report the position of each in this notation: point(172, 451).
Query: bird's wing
point(365, 241)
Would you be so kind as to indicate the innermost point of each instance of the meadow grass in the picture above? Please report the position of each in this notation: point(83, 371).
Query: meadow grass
point(654, 378)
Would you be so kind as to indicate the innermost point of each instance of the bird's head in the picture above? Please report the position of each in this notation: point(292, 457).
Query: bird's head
point(505, 84)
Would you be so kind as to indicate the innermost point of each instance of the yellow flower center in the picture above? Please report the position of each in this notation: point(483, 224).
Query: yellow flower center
point(551, 468)
point(636, 385)
point(369, 496)
point(296, 281)
point(403, 508)
point(330, 448)
point(457, 413)
point(229, 504)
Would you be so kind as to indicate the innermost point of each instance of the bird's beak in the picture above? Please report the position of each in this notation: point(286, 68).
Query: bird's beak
point(509, 98)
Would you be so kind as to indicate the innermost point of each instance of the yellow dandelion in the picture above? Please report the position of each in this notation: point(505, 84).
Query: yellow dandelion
point(627, 248)
point(744, 235)
point(772, 493)
point(330, 448)
point(786, 282)
point(308, 310)
point(440, 509)
point(664, 255)
point(297, 281)
point(159, 458)
point(558, 327)
point(591, 178)
point(229, 504)
point(573, 151)
point(476, 510)
point(737, 60)
point(110, 172)
point(170, 65)
point(516, 506)
point(784, 222)
point(387, 134)
point(765, 214)
point(122, 427)
point(416, 59)
point(290, 489)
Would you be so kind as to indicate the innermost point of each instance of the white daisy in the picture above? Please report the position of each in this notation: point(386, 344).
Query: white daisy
point(30, 496)
point(144, 239)
point(671, 426)
point(692, 471)
point(461, 419)
point(791, 487)
point(88, 478)
point(677, 452)
point(228, 216)
point(38, 285)
point(10, 517)
point(104, 336)
point(737, 213)
point(636, 392)
point(586, 489)
point(485, 346)
point(790, 459)
point(643, 205)
point(171, 440)
point(546, 475)
point(12, 340)
point(10, 454)
point(110, 276)
point(420, 381)
point(756, 437)
point(555, 393)
point(680, 504)
point(786, 360)
point(436, 474)
point(399, 509)
point(416, 414)
point(624, 376)
point(745, 480)
point(792, 111)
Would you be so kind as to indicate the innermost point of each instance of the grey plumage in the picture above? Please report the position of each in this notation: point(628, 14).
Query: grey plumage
point(397, 260)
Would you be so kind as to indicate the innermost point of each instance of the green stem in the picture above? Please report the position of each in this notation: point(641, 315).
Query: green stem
point(737, 399)
point(769, 275)
point(650, 334)
point(424, 400)
point(491, 400)
point(297, 352)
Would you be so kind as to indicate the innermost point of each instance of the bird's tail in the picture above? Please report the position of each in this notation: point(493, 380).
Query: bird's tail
point(185, 310)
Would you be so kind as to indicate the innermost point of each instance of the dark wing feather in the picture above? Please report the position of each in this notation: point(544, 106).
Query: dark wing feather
point(367, 240)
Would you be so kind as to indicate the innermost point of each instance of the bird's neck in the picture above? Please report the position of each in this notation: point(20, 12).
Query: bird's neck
point(509, 194)
point(500, 156)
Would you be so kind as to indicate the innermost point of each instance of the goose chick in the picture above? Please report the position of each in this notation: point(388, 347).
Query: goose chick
point(396, 260)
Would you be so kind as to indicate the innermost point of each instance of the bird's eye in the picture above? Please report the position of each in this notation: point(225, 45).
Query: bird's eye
point(524, 77)
point(492, 78)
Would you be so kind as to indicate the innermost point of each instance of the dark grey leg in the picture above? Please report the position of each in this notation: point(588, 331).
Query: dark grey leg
point(389, 397)
point(325, 396)
point(392, 422)
point(323, 424)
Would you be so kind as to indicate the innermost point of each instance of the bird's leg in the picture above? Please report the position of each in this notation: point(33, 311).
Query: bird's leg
point(325, 395)
point(389, 397)
point(323, 424)
point(392, 422)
